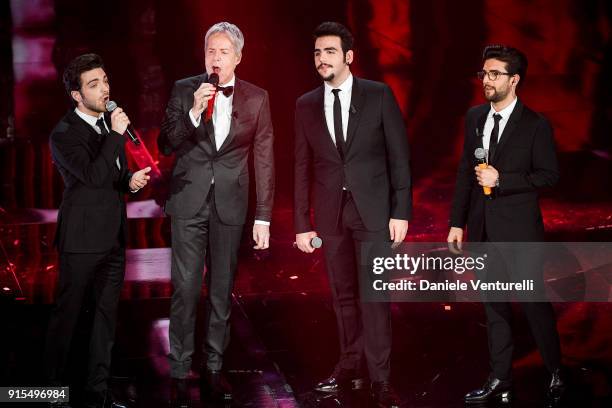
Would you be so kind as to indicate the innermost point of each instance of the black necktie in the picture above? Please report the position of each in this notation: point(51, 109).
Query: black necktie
point(338, 133)
point(100, 124)
point(227, 90)
point(494, 137)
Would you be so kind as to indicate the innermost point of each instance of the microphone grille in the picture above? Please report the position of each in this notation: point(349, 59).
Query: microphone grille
point(316, 242)
point(479, 153)
point(111, 106)
point(213, 79)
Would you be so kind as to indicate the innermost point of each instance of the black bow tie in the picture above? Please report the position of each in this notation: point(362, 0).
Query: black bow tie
point(227, 90)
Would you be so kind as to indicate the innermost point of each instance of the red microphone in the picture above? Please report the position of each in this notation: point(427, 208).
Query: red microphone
point(214, 80)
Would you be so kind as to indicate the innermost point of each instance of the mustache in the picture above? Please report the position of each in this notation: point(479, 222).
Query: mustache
point(324, 65)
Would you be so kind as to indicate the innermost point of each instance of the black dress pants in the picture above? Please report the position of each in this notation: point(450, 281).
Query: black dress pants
point(513, 263)
point(81, 275)
point(364, 328)
point(196, 242)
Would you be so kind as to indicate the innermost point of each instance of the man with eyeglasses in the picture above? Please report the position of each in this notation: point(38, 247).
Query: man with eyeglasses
point(521, 160)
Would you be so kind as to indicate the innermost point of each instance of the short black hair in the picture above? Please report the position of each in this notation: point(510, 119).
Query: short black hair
point(72, 73)
point(516, 61)
point(336, 29)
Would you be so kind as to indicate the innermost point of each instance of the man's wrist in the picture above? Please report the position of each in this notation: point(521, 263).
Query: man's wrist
point(195, 119)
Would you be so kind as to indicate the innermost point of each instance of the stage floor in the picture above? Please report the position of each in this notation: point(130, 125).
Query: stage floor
point(283, 330)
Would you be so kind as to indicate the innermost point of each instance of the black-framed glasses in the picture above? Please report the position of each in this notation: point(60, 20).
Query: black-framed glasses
point(493, 74)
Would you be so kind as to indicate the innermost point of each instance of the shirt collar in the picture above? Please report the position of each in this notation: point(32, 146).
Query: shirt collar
point(506, 112)
point(91, 120)
point(345, 86)
point(231, 82)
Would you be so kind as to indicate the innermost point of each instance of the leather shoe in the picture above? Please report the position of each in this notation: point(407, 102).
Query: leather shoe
point(493, 388)
point(384, 395)
point(103, 400)
point(556, 387)
point(59, 405)
point(214, 385)
point(340, 380)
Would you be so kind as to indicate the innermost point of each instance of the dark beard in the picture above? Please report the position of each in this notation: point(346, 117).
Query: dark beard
point(328, 78)
point(496, 97)
point(92, 107)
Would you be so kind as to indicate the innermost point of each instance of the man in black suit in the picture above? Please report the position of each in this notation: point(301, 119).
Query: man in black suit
point(351, 134)
point(212, 130)
point(521, 160)
point(88, 150)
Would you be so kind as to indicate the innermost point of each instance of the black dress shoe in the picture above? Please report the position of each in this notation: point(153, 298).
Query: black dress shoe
point(384, 395)
point(341, 380)
point(214, 385)
point(556, 388)
point(103, 400)
point(180, 397)
point(493, 388)
point(59, 405)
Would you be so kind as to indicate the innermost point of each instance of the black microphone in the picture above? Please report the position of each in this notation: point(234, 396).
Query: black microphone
point(353, 109)
point(315, 242)
point(110, 107)
point(213, 79)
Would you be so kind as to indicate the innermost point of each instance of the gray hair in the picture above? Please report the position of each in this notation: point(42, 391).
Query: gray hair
point(231, 30)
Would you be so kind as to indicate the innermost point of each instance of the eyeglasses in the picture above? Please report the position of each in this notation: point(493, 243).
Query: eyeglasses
point(493, 75)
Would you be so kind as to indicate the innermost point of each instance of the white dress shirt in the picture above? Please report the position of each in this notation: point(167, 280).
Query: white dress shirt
point(222, 120)
point(345, 103)
point(490, 122)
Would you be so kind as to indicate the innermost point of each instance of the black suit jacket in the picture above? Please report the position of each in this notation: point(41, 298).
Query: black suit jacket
point(376, 164)
point(92, 214)
point(198, 160)
point(526, 161)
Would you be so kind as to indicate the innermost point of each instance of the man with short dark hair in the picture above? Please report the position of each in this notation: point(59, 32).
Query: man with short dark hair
point(88, 150)
point(521, 160)
point(351, 134)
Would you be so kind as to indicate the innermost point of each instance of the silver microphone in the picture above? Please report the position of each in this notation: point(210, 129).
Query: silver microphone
point(480, 156)
point(315, 242)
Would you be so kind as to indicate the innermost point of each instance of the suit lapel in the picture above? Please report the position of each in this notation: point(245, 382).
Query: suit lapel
point(87, 134)
point(209, 129)
point(357, 100)
point(122, 157)
point(479, 130)
point(509, 129)
point(320, 123)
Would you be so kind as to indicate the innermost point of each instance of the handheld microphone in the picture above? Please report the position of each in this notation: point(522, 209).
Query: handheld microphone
point(110, 107)
point(213, 79)
point(315, 242)
point(480, 156)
